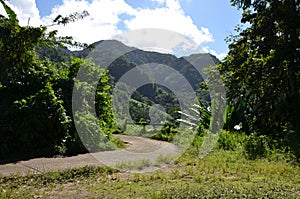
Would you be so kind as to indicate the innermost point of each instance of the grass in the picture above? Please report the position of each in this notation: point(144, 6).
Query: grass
point(138, 130)
point(221, 174)
point(139, 165)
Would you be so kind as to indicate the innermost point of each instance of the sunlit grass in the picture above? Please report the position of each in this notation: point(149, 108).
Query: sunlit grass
point(138, 165)
point(223, 173)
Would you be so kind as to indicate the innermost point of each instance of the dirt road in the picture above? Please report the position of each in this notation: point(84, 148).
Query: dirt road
point(137, 148)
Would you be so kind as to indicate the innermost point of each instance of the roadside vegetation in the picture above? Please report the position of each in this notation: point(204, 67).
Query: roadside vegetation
point(256, 156)
point(224, 173)
point(36, 117)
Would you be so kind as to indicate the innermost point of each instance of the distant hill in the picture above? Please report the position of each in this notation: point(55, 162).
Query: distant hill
point(188, 66)
point(120, 59)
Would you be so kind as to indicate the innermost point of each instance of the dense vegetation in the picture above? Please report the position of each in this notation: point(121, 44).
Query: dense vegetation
point(36, 111)
point(261, 73)
point(146, 95)
point(259, 159)
point(261, 70)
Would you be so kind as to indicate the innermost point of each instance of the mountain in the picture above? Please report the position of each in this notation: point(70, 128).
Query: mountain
point(105, 50)
point(126, 58)
point(154, 67)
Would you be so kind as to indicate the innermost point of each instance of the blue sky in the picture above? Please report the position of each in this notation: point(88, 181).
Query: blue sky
point(207, 22)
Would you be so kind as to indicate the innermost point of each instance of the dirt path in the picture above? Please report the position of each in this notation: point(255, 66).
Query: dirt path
point(138, 148)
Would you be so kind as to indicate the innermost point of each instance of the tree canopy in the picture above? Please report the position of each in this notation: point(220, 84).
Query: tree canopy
point(262, 68)
point(36, 94)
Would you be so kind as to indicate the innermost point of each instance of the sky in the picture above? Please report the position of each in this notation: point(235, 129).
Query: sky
point(206, 22)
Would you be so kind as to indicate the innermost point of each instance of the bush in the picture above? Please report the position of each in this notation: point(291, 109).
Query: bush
point(164, 137)
point(34, 117)
point(166, 133)
point(230, 140)
point(256, 146)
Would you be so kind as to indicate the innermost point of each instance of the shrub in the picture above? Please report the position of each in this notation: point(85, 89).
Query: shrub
point(164, 137)
point(292, 141)
point(230, 140)
point(256, 146)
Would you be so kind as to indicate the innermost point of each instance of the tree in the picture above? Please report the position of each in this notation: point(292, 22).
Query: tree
point(28, 102)
point(262, 69)
point(36, 94)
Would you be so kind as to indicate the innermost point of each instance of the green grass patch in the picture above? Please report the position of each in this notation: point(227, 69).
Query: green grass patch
point(221, 174)
point(160, 161)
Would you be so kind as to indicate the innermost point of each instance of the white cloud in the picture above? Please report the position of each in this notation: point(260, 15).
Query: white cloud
point(105, 17)
point(101, 24)
point(220, 56)
point(26, 11)
point(170, 17)
point(160, 40)
point(174, 5)
point(2, 11)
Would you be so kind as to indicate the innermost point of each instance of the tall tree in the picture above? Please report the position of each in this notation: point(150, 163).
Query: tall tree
point(262, 68)
point(35, 94)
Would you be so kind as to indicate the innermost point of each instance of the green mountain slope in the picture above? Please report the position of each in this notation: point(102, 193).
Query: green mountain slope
point(151, 67)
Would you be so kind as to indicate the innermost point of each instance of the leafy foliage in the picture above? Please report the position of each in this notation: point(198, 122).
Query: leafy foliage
point(231, 140)
point(262, 67)
point(97, 130)
point(256, 146)
point(36, 94)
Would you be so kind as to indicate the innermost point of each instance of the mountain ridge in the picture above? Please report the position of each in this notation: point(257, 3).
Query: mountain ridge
point(120, 46)
point(120, 59)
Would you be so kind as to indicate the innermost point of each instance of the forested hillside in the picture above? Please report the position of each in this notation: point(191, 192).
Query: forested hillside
point(148, 94)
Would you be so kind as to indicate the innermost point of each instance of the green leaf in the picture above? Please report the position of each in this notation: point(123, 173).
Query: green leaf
point(11, 14)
